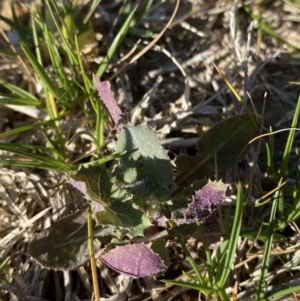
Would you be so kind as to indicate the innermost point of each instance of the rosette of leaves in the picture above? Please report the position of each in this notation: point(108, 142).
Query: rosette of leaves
point(143, 176)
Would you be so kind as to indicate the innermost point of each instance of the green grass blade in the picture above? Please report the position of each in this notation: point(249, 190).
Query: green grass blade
point(104, 159)
point(99, 125)
point(85, 132)
point(92, 254)
point(88, 86)
point(19, 92)
point(20, 28)
point(27, 151)
point(145, 7)
point(28, 127)
point(115, 44)
point(266, 28)
point(9, 22)
point(290, 140)
point(208, 262)
point(55, 58)
point(65, 41)
point(223, 295)
point(18, 101)
point(35, 164)
point(36, 41)
point(41, 71)
point(190, 259)
point(93, 6)
point(233, 240)
point(52, 111)
point(189, 276)
point(262, 234)
point(219, 260)
point(285, 293)
point(267, 250)
point(269, 149)
point(292, 214)
point(56, 141)
point(10, 55)
point(198, 287)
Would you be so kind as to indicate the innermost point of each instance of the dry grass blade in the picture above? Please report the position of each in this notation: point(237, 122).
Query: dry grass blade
point(144, 50)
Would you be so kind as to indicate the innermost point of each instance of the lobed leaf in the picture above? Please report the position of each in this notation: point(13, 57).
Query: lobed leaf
point(206, 200)
point(145, 169)
point(111, 203)
point(94, 182)
point(128, 221)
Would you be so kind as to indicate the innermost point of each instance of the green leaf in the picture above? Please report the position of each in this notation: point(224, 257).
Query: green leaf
point(8, 100)
point(227, 139)
point(97, 183)
point(64, 245)
point(226, 142)
point(130, 221)
point(145, 169)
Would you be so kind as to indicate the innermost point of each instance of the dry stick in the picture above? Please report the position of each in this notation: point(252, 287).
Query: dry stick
point(258, 148)
point(257, 202)
point(13, 49)
point(258, 138)
point(144, 50)
point(128, 54)
point(92, 255)
point(203, 9)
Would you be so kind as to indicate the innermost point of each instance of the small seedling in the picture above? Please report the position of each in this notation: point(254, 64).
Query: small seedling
point(142, 191)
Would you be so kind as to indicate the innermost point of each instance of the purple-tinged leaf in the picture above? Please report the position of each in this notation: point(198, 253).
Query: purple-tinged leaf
point(109, 101)
point(97, 207)
point(79, 185)
point(212, 226)
point(206, 200)
point(183, 201)
point(135, 260)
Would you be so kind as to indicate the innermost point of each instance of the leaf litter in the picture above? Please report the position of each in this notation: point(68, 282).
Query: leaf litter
point(200, 35)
